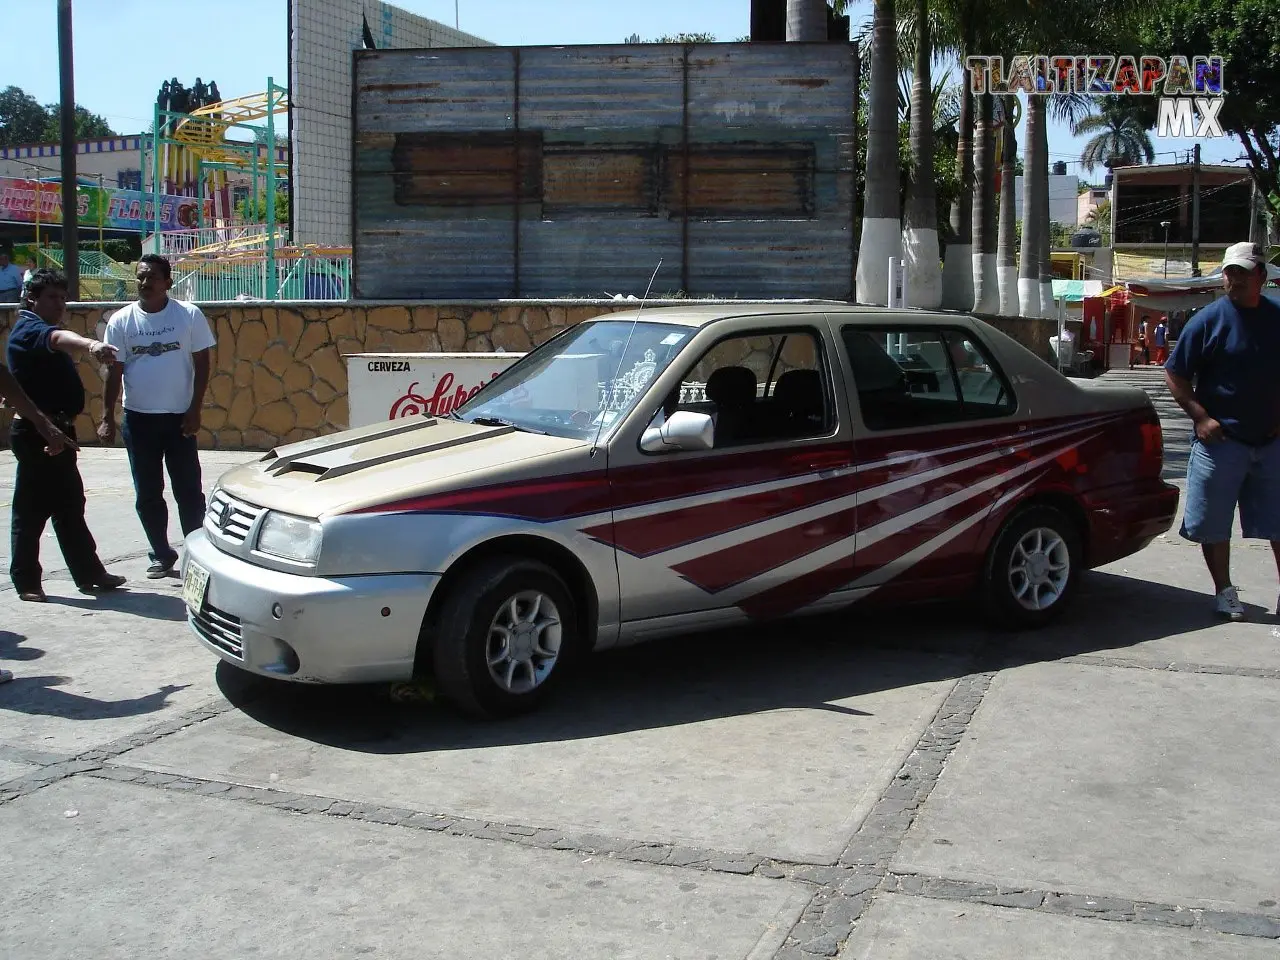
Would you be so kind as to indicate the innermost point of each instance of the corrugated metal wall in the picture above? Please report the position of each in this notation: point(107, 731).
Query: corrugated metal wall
point(569, 171)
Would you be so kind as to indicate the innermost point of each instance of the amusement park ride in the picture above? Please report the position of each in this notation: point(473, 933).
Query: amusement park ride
point(222, 257)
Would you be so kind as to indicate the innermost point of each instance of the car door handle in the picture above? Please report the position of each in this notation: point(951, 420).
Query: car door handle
point(827, 473)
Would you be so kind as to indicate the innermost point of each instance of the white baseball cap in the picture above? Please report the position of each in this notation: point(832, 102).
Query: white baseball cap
point(1248, 255)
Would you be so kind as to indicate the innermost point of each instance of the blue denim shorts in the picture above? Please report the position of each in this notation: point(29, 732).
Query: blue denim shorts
point(1225, 474)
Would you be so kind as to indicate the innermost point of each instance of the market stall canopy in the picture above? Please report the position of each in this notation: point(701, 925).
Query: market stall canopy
point(1074, 291)
point(1210, 283)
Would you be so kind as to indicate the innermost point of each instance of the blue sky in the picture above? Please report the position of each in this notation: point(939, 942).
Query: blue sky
point(126, 48)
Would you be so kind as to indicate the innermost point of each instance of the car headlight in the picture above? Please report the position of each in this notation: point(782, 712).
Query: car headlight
point(290, 538)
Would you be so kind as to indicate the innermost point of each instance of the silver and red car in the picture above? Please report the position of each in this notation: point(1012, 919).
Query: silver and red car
point(669, 470)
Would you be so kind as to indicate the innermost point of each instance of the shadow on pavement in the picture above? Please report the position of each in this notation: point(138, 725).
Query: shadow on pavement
point(11, 647)
point(153, 606)
point(797, 664)
point(40, 696)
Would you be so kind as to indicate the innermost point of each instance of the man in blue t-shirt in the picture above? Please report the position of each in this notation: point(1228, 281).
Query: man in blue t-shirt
point(1225, 373)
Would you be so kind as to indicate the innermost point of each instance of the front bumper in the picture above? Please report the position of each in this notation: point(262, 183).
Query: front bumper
point(328, 630)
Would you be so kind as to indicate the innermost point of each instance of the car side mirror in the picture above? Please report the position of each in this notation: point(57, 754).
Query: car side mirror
point(684, 430)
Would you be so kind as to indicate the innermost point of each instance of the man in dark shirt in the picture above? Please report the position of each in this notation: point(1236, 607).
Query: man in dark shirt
point(12, 394)
point(1225, 373)
point(39, 355)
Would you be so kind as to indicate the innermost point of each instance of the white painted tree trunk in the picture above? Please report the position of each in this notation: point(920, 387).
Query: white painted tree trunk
point(881, 239)
point(986, 283)
point(920, 259)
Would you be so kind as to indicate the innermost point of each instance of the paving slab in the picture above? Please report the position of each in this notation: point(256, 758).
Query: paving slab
point(1135, 784)
point(12, 769)
point(778, 756)
point(909, 928)
point(142, 872)
point(90, 669)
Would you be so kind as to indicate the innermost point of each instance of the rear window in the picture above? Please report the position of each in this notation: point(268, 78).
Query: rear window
point(920, 377)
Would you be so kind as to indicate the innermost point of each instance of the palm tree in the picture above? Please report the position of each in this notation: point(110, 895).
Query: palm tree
point(1006, 255)
point(1047, 305)
point(1120, 135)
point(920, 240)
point(1029, 257)
point(807, 19)
point(881, 212)
point(958, 267)
point(986, 291)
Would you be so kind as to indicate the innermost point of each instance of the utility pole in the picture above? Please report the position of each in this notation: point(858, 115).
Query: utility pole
point(70, 201)
point(1195, 211)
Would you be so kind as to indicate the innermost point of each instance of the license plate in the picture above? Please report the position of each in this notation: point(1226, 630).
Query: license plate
point(195, 582)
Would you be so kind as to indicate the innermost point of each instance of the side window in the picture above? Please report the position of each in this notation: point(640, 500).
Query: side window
point(922, 377)
point(759, 388)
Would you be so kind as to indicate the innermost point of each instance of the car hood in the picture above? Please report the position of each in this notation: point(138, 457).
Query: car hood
point(386, 462)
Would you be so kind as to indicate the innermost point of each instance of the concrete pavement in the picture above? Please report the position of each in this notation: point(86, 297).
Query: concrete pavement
point(871, 785)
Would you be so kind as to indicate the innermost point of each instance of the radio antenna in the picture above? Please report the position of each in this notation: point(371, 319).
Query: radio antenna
point(608, 393)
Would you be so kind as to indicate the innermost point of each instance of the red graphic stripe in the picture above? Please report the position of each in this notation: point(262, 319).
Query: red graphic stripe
point(657, 533)
point(540, 500)
point(667, 479)
point(725, 568)
point(810, 587)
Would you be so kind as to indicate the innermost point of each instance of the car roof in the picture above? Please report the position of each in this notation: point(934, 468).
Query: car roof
point(701, 314)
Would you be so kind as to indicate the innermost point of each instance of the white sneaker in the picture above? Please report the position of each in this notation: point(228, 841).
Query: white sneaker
point(1227, 604)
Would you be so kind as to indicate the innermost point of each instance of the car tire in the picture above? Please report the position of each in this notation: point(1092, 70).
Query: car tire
point(1024, 583)
point(490, 654)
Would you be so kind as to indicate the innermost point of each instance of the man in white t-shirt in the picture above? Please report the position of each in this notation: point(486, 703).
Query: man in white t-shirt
point(162, 358)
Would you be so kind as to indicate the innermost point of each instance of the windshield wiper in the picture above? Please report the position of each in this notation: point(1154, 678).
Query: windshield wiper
point(498, 422)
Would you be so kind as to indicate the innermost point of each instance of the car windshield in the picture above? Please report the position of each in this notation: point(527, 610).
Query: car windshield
point(581, 382)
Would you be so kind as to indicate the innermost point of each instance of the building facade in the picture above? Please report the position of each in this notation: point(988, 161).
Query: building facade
point(1064, 190)
point(1144, 198)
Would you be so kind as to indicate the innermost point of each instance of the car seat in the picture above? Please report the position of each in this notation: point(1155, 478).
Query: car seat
point(733, 391)
point(798, 403)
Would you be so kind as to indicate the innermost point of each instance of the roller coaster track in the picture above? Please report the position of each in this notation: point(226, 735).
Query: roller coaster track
point(204, 131)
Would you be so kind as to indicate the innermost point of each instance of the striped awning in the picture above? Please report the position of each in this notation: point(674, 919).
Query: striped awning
point(1074, 291)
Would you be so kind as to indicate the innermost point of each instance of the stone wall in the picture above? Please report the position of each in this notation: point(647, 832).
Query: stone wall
point(279, 373)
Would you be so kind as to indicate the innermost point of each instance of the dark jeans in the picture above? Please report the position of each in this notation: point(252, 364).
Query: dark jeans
point(48, 487)
point(154, 441)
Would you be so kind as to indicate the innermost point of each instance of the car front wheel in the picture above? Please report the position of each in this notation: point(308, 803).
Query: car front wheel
point(1032, 569)
point(503, 637)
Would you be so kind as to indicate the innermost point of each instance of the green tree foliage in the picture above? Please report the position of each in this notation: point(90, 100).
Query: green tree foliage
point(1246, 33)
point(254, 209)
point(24, 120)
point(89, 126)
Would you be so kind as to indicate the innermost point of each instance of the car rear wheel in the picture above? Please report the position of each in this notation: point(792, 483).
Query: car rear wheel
point(503, 637)
point(1032, 569)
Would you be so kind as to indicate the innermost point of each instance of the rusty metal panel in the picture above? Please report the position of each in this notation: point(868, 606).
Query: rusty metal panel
point(578, 178)
point(780, 118)
point(414, 91)
point(605, 113)
point(448, 205)
point(433, 218)
point(469, 170)
point(593, 257)
point(749, 180)
point(597, 92)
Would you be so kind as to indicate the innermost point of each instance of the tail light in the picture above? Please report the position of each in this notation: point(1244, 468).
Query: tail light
point(1151, 460)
